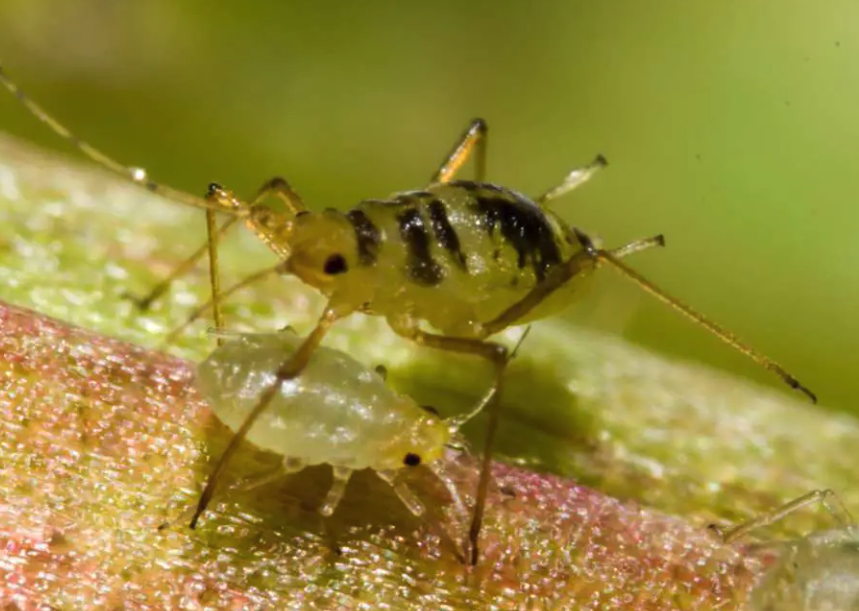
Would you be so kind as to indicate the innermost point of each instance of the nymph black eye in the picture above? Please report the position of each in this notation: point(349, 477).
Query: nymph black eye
point(412, 460)
point(335, 264)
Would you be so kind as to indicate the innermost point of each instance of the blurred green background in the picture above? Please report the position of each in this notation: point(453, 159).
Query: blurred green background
point(730, 126)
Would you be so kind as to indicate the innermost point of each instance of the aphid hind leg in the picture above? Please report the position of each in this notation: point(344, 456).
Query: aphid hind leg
point(291, 368)
point(579, 262)
point(473, 139)
point(827, 497)
point(498, 356)
point(723, 334)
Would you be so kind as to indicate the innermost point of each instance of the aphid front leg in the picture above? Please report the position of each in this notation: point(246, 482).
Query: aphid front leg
point(828, 497)
point(288, 370)
point(335, 493)
point(403, 492)
point(277, 187)
point(474, 138)
point(201, 309)
point(145, 302)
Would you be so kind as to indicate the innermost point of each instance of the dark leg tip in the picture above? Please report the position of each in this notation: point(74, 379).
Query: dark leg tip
point(601, 160)
point(142, 304)
point(794, 383)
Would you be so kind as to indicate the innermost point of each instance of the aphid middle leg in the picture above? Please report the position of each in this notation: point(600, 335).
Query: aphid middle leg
point(474, 138)
point(288, 370)
point(828, 497)
point(498, 356)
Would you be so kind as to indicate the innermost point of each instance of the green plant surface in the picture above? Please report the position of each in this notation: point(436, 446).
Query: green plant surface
point(103, 441)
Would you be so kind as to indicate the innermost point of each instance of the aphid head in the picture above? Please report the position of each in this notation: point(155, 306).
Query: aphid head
point(323, 251)
point(423, 443)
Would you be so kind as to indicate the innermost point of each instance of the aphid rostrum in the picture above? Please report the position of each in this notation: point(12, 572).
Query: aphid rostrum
point(818, 572)
point(466, 258)
point(336, 412)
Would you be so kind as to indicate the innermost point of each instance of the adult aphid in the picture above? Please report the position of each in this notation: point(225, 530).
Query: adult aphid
point(336, 412)
point(818, 572)
point(467, 258)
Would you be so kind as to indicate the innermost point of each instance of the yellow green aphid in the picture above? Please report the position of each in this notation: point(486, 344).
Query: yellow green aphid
point(465, 258)
point(818, 572)
point(337, 412)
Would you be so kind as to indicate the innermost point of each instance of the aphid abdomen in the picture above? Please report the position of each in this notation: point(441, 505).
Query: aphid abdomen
point(459, 254)
point(337, 411)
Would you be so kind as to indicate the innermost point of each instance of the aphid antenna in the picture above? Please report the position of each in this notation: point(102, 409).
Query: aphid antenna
point(135, 174)
point(456, 422)
point(828, 498)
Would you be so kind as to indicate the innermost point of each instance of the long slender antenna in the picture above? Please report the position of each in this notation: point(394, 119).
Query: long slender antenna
point(698, 318)
point(134, 174)
point(455, 422)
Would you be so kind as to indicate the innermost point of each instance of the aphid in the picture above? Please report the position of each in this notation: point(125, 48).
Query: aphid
point(467, 258)
point(336, 412)
point(819, 572)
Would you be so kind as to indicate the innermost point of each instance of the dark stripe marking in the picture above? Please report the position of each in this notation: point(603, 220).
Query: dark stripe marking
point(421, 267)
point(445, 233)
point(366, 235)
point(524, 227)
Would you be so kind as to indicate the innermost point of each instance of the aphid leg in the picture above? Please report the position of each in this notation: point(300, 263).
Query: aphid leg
point(573, 180)
point(212, 235)
point(403, 492)
point(438, 470)
point(497, 355)
point(201, 309)
point(288, 370)
point(829, 499)
point(144, 303)
point(277, 187)
point(590, 256)
point(474, 138)
point(335, 493)
point(637, 246)
point(698, 318)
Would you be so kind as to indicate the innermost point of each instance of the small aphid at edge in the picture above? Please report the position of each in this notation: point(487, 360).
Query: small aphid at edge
point(818, 572)
point(468, 258)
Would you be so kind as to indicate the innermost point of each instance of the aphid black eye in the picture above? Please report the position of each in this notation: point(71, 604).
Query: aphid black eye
point(412, 460)
point(335, 264)
point(213, 189)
